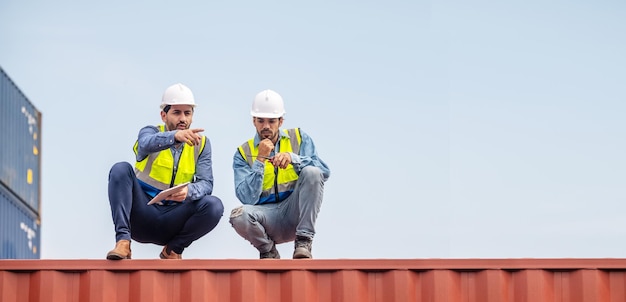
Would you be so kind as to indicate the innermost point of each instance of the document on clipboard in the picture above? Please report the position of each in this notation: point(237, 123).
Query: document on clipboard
point(165, 193)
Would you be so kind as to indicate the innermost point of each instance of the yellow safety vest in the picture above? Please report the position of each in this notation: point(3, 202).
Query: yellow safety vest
point(277, 183)
point(157, 169)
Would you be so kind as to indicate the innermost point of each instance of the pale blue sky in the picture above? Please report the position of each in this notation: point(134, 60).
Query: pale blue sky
point(453, 129)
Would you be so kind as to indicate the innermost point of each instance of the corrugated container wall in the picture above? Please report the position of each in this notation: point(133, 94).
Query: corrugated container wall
point(334, 280)
point(20, 150)
point(19, 228)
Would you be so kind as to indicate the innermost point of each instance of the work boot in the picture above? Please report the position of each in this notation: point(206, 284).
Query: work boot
point(303, 248)
point(171, 255)
point(272, 254)
point(121, 251)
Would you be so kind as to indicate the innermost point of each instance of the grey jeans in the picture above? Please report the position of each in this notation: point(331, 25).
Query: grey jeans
point(266, 224)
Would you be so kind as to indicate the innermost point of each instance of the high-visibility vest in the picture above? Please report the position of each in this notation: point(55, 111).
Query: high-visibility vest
point(157, 169)
point(278, 184)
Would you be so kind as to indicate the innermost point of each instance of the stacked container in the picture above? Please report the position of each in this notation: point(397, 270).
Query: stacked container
point(20, 173)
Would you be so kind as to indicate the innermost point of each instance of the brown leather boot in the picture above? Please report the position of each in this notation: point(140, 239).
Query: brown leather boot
point(171, 255)
point(121, 251)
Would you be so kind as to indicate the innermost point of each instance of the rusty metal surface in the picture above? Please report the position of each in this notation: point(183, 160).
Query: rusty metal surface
point(432, 280)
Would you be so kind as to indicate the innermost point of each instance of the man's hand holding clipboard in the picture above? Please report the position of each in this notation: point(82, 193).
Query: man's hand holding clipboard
point(163, 195)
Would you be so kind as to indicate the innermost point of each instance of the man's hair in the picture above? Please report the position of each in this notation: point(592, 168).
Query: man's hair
point(278, 118)
point(167, 108)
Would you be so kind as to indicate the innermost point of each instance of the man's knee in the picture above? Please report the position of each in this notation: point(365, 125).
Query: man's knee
point(120, 168)
point(239, 217)
point(311, 174)
point(213, 205)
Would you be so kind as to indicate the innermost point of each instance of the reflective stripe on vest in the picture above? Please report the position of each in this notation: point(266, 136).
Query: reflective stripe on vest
point(287, 177)
point(157, 169)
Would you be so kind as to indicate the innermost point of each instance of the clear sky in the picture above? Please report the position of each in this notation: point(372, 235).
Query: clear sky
point(453, 129)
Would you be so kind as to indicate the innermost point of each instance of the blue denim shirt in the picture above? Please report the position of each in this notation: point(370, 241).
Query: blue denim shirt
point(249, 180)
point(151, 140)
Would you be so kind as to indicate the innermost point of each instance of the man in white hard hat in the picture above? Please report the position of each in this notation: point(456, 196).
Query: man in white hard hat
point(165, 198)
point(280, 180)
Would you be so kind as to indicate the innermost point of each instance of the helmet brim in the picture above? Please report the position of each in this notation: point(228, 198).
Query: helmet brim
point(163, 105)
point(266, 115)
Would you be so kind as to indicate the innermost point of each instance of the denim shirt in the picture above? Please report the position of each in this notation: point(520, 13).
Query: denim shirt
point(151, 140)
point(249, 180)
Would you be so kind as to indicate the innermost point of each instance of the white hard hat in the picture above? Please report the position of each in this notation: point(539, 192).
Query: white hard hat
point(177, 94)
point(268, 104)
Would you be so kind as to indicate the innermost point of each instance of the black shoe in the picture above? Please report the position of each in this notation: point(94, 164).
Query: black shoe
point(272, 254)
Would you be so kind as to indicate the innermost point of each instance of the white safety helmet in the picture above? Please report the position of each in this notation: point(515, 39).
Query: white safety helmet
point(177, 94)
point(268, 104)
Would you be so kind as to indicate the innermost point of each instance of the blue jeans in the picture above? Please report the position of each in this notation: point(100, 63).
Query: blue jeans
point(176, 226)
point(266, 224)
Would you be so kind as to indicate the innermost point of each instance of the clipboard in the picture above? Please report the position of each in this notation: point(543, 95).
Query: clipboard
point(167, 192)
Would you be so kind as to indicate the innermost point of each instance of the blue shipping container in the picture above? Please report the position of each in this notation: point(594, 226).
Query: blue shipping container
point(19, 228)
point(20, 150)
